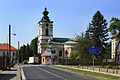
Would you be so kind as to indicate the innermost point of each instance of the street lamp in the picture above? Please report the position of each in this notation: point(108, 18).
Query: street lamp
point(9, 54)
point(63, 54)
point(18, 52)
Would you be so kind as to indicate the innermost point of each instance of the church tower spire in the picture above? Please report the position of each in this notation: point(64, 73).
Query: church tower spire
point(45, 15)
point(45, 31)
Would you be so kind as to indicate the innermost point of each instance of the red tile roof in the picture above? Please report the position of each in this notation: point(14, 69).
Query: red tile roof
point(5, 46)
point(115, 35)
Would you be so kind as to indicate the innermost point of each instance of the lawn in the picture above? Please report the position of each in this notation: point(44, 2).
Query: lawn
point(95, 74)
point(106, 66)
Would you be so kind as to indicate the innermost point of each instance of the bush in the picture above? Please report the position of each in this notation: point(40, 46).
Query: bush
point(119, 66)
point(109, 66)
point(25, 61)
point(79, 65)
point(12, 65)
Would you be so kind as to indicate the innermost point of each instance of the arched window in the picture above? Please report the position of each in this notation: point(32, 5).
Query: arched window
point(113, 57)
point(43, 59)
point(60, 53)
point(66, 52)
point(47, 31)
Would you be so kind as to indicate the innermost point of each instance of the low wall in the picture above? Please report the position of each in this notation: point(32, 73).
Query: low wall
point(113, 71)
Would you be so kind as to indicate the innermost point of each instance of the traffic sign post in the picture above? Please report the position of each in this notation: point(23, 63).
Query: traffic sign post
point(52, 56)
point(93, 51)
point(93, 62)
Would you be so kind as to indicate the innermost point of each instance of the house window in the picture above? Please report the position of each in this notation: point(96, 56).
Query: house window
point(3, 53)
point(13, 54)
point(113, 57)
point(113, 46)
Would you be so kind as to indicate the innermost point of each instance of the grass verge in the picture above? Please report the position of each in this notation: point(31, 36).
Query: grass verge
point(95, 74)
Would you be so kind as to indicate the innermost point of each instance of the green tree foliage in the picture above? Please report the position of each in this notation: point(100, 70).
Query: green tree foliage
point(27, 51)
point(108, 51)
point(99, 33)
point(33, 46)
point(84, 43)
point(74, 55)
point(114, 25)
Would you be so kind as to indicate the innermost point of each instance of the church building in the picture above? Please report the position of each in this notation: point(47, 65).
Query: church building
point(52, 49)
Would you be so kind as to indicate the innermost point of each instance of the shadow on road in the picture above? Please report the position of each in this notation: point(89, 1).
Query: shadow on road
point(12, 70)
point(7, 76)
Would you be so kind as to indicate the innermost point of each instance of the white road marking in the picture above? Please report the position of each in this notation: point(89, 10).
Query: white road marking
point(30, 65)
point(52, 73)
point(23, 76)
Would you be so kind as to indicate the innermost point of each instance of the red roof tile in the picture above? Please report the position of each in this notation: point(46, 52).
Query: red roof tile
point(5, 46)
point(115, 35)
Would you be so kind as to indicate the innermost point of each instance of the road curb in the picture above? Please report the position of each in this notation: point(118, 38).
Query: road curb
point(0, 71)
point(22, 74)
point(17, 73)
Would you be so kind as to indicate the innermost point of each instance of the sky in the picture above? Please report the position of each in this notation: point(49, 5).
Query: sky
point(70, 17)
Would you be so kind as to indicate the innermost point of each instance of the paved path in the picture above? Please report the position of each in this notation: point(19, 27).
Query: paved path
point(10, 74)
point(38, 72)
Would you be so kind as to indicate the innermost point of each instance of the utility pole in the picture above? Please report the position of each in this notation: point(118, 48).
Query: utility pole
point(9, 54)
point(63, 54)
point(18, 52)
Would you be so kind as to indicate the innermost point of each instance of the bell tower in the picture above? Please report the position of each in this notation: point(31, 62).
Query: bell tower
point(45, 32)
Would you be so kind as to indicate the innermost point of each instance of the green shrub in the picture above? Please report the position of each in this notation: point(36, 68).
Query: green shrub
point(119, 66)
point(79, 65)
point(12, 64)
point(109, 66)
point(25, 61)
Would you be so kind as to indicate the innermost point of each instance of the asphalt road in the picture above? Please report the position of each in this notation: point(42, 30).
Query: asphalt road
point(42, 72)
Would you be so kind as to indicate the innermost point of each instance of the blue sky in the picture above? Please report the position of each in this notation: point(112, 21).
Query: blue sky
point(70, 16)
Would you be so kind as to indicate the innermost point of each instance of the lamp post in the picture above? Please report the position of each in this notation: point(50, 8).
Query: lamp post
point(18, 52)
point(9, 54)
point(63, 55)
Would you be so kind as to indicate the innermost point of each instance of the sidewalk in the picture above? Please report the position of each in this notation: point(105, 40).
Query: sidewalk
point(74, 67)
point(13, 74)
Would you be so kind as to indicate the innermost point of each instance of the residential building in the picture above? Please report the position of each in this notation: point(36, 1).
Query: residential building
point(4, 48)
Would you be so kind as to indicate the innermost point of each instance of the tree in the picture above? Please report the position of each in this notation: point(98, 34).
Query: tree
point(114, 28)
point(27, 51)
point(74, 55)
point(84, 43)
point(99, 32)
point(33, 46)
point(21, 54)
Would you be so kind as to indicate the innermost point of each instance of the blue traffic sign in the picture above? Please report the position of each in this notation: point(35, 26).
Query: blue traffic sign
point(95, 51)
